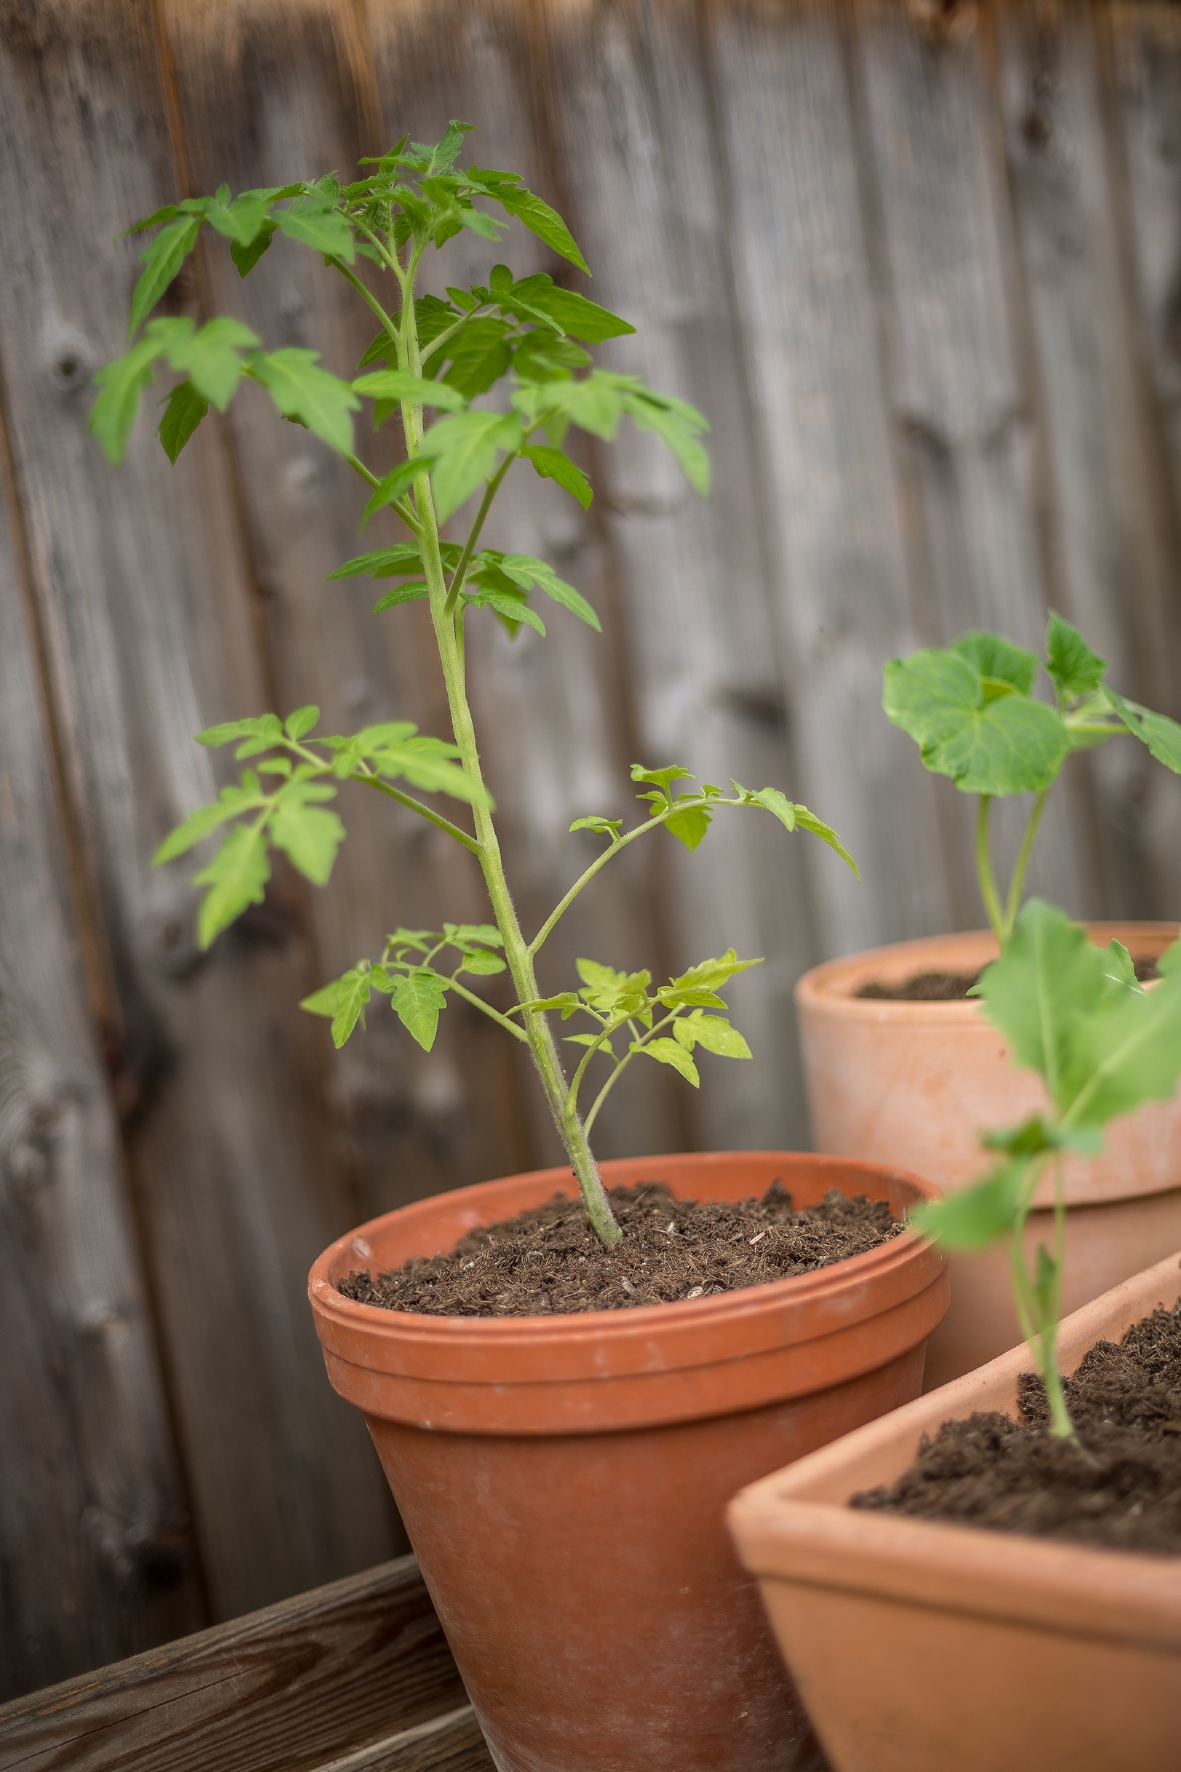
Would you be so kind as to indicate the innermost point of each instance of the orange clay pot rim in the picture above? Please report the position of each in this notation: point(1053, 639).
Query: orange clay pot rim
point(724, 1307)
point(826, 989)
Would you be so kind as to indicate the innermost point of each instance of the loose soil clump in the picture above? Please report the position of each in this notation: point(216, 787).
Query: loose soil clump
point(953, 987)
point(550, 1262)
point(1118, 1486)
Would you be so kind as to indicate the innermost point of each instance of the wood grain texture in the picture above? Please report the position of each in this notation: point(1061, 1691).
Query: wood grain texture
point(285, 1689)
point(691, 575)
point(96, 1552)
point(448, 1744)
point(1112, 569)
point(958, 382)
point(813, 368)
point(143, 603)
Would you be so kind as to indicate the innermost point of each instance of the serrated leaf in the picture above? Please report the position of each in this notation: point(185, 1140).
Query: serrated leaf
point(566, 310)
point(400, 384)
point(536, 215)
point(198, 825)
point(343, 1000)
point(526, 571)
point(808, 821)
point(465, 450)
point(300, 390)
point(266, 727)
point(211, 360)
point(301, 721)
point(308, 835)
point(479, 355)
point(540, 355)
point(1004, 745)
point(771, 800)
point(480, 961)
point(669, 421)
point(236, 877)
point(551, 464)
point(998, 659)
point(161, 261)
point(1073, 667)
point(121, 385)
point(671, 1052)
point(313, 224)
point(397, 482)
point(246, 257)
point(487, 934)
point(405, 593)
point(404, 556)
point(662, 779)
point(1161, 735)
point(241, 220)
point(595, 404)
point(713, 1032)
point(699, 985)
point(182, 415)
point(689, 826)
point(418, 999)
point(973, 1217)
point(606, 827)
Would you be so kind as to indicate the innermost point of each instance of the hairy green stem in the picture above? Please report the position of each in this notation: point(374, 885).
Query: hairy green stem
point(490, 491)
point(502, 1020)
point(427, 812)
point(517, 954)
point(984, 874)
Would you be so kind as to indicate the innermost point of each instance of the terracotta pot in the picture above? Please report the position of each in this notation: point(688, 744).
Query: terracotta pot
point(563, 1479)
point(919, 1646)
point(913, 1085)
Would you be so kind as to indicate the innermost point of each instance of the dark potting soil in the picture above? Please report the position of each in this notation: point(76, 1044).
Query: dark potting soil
point(953, 987)
point(1119, 1486)
point(550, 1262)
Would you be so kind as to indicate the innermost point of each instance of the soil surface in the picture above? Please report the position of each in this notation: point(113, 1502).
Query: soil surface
point(549, 1261)
point(953, 987)
point(1119, 1486)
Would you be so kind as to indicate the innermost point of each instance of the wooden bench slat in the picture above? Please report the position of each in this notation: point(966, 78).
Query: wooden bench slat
point(452, 1743)
point(286, 1689)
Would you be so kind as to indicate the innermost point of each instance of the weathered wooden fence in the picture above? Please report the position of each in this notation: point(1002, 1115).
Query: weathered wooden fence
point(921, 265)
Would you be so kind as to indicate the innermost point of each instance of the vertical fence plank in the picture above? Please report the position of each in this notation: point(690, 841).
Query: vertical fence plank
point(266, 95)
point(810, 331)
point(1145, 42)
point(144, 613)
point(633, 117)
point(554, 714)
point(959, 393)
point(96, 1552)
point(1112, 571)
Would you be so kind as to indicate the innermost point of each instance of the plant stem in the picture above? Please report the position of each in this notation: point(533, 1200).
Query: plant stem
point(503, 1020)
point(427, 812)
point(517, 954)
point(984, 874)
point(1017, 881)
point(490, 491)
point(1060, 1422)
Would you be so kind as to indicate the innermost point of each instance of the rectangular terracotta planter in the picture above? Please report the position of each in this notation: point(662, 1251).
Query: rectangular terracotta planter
point(919, 1646)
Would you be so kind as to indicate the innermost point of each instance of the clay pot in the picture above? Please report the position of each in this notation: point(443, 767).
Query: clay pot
point(914, 1084)
point(919, 1646)
point(563, 1479)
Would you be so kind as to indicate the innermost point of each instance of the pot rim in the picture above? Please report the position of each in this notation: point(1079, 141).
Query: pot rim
point(791, 1527)
point(828, 989)
point(849, 1274)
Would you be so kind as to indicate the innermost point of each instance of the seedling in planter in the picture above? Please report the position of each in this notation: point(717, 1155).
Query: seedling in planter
point(526, 337)
point(971, 709)
point(1103, 1046)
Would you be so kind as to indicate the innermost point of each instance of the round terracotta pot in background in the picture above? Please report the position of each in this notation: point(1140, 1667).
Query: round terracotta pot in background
point(922, 1645)
point(563, 1479)
point(914, 1085)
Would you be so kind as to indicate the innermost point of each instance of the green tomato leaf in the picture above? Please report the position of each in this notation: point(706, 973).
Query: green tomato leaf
point(566, 311)
point(479, 355)
point(677, 425)
point(605, 827)
point(465, 450)
point(266, 727)
point(666, 1051)
point(182, 415)
point(246, 257)
point(236, 877)
point(407, 593)
point(507, 190)
point(343, 1001)
point(1073, 667)
point(1157, 731)
point(699, 986)
point(551, 464)
point(161, 261)
point(314, 224)
point(808, 821)
point(302, 721)
point(320, 401)
point(210, 358)
point(121, 384)
point(479, 960)
point(524, 570)
point(418, 999)
point(400, 384)
point(308, 835)
point(711, 1031)
point(690, 826)
point(1004, 743)
point(382, 563)
point(398, 481)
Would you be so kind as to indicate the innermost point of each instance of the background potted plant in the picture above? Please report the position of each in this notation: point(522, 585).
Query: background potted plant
point(901, 1067)
point(1016, 1650)
point(562, 1477)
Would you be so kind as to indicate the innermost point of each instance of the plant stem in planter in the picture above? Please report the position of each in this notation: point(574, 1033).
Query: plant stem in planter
point(526, 337)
